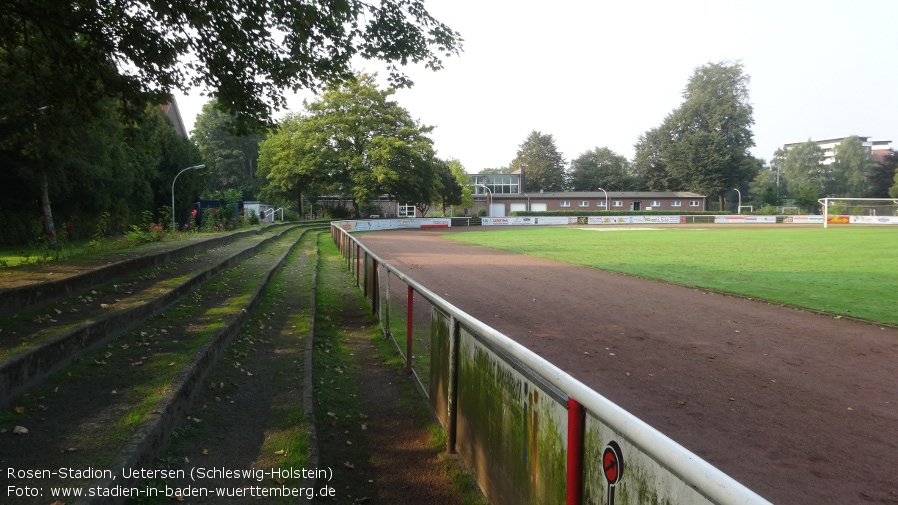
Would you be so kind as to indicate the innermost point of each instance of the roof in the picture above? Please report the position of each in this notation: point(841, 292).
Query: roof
point(599, 194)
point(174, 114)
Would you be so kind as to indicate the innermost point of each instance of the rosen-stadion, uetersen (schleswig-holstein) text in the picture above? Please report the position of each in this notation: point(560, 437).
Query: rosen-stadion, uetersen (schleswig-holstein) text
point(213, 476)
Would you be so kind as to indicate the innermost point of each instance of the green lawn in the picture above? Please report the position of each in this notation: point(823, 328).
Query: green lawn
point(851, 271)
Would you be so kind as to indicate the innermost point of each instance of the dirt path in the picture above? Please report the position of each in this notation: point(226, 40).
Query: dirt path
point(801, 408)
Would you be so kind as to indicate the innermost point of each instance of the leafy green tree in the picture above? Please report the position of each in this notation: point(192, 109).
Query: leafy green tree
point(248, 53)
point(709, 135)
point(891, 160)
point(353, 142)
point(463, 179)
point(65, 58)
point(851, 170)
point(802, 168)
point(231, 160)
point(500, 170)
point(601, 168)
point(762, 190)
point(776, 166)
point(279, 163)
point(451, 191)
point(882, 176)
point(544, 165)
point(648, 162)
point(94, 167)
point(807, 196)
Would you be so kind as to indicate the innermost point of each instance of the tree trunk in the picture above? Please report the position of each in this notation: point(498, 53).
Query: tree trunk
point(49, 227)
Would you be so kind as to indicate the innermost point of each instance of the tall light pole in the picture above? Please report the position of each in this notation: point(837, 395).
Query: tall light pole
point(174, 223)
point(739, 208)
point(489, 191)
point(606, 197)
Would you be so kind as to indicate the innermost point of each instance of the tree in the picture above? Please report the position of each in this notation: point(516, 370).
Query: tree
point(709, 135)
point(248, 54)
point(463, 179)
point(882, 176)
point(601, 168)
point(102, 165)
point(355, 143)
point(802, 168)
point(231, 160)
point(451, 191)
point(67, 57)
point(648, 162)
point(543, 164)
point(762, 189)
point(851, 170)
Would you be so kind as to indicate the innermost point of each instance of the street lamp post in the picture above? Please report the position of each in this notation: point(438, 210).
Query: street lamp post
point(173, 222)
point(490, 192)
point(606, 197)
point(739, 208)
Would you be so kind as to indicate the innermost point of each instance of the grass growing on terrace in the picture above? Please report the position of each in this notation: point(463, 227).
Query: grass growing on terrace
point(844, 270)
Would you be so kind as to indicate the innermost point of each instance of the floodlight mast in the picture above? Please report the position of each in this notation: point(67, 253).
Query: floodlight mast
point(490, 192)
point(174, 223)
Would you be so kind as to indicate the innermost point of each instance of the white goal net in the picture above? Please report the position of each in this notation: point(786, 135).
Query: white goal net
point(859, 210)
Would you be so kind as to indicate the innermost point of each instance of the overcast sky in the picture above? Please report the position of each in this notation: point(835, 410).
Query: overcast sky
point(600, 73)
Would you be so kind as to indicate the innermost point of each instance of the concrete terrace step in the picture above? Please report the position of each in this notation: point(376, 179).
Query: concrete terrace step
point(30, 287)
point(51, 347)
point(88, 403)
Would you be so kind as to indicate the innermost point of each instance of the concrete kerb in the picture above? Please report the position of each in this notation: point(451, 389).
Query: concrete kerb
point(28, 367)
point(308, 397)
point(34, 295)
point(153, 435)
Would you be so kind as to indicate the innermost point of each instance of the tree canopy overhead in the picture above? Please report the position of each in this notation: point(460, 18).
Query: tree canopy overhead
point(248, 53)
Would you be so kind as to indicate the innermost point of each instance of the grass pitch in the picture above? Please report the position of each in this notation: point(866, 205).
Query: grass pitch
point(851, 271)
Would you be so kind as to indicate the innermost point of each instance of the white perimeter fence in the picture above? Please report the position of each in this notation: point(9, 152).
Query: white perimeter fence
point(531, 433)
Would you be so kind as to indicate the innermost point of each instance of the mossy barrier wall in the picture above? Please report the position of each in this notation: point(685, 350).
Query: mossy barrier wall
point(531, 433)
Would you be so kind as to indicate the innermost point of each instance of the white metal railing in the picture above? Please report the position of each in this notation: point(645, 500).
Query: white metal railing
point(272, 212)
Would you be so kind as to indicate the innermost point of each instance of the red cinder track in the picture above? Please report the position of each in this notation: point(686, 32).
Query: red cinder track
point(799, 407)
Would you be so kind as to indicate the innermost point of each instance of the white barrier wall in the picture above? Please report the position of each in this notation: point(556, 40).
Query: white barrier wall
point(394, 224)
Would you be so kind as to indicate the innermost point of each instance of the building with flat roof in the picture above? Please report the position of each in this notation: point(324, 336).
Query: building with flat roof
point(876, 148)
point(500, 205)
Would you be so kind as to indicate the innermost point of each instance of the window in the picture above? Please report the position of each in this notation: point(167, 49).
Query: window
point(656, 203)
point(565, 203)
point(676, 203)
point(499, 184)
point(617, 203)
point(406, 211)
point(600, 203)
point(584, 203)
point(694, 203)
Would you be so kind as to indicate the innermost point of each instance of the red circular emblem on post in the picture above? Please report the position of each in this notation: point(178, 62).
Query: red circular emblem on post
point(612, 463)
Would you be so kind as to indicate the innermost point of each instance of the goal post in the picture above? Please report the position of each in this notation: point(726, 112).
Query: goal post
point(860, 210)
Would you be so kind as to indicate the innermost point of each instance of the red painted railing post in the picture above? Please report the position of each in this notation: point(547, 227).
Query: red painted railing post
point(408, 330)
point(575, 427)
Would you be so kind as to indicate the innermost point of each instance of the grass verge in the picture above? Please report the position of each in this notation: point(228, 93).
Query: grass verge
point(846, 271)
point(346, 328)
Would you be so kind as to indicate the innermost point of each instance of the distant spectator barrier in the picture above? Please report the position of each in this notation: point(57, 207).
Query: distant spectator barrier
point(531, 433)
